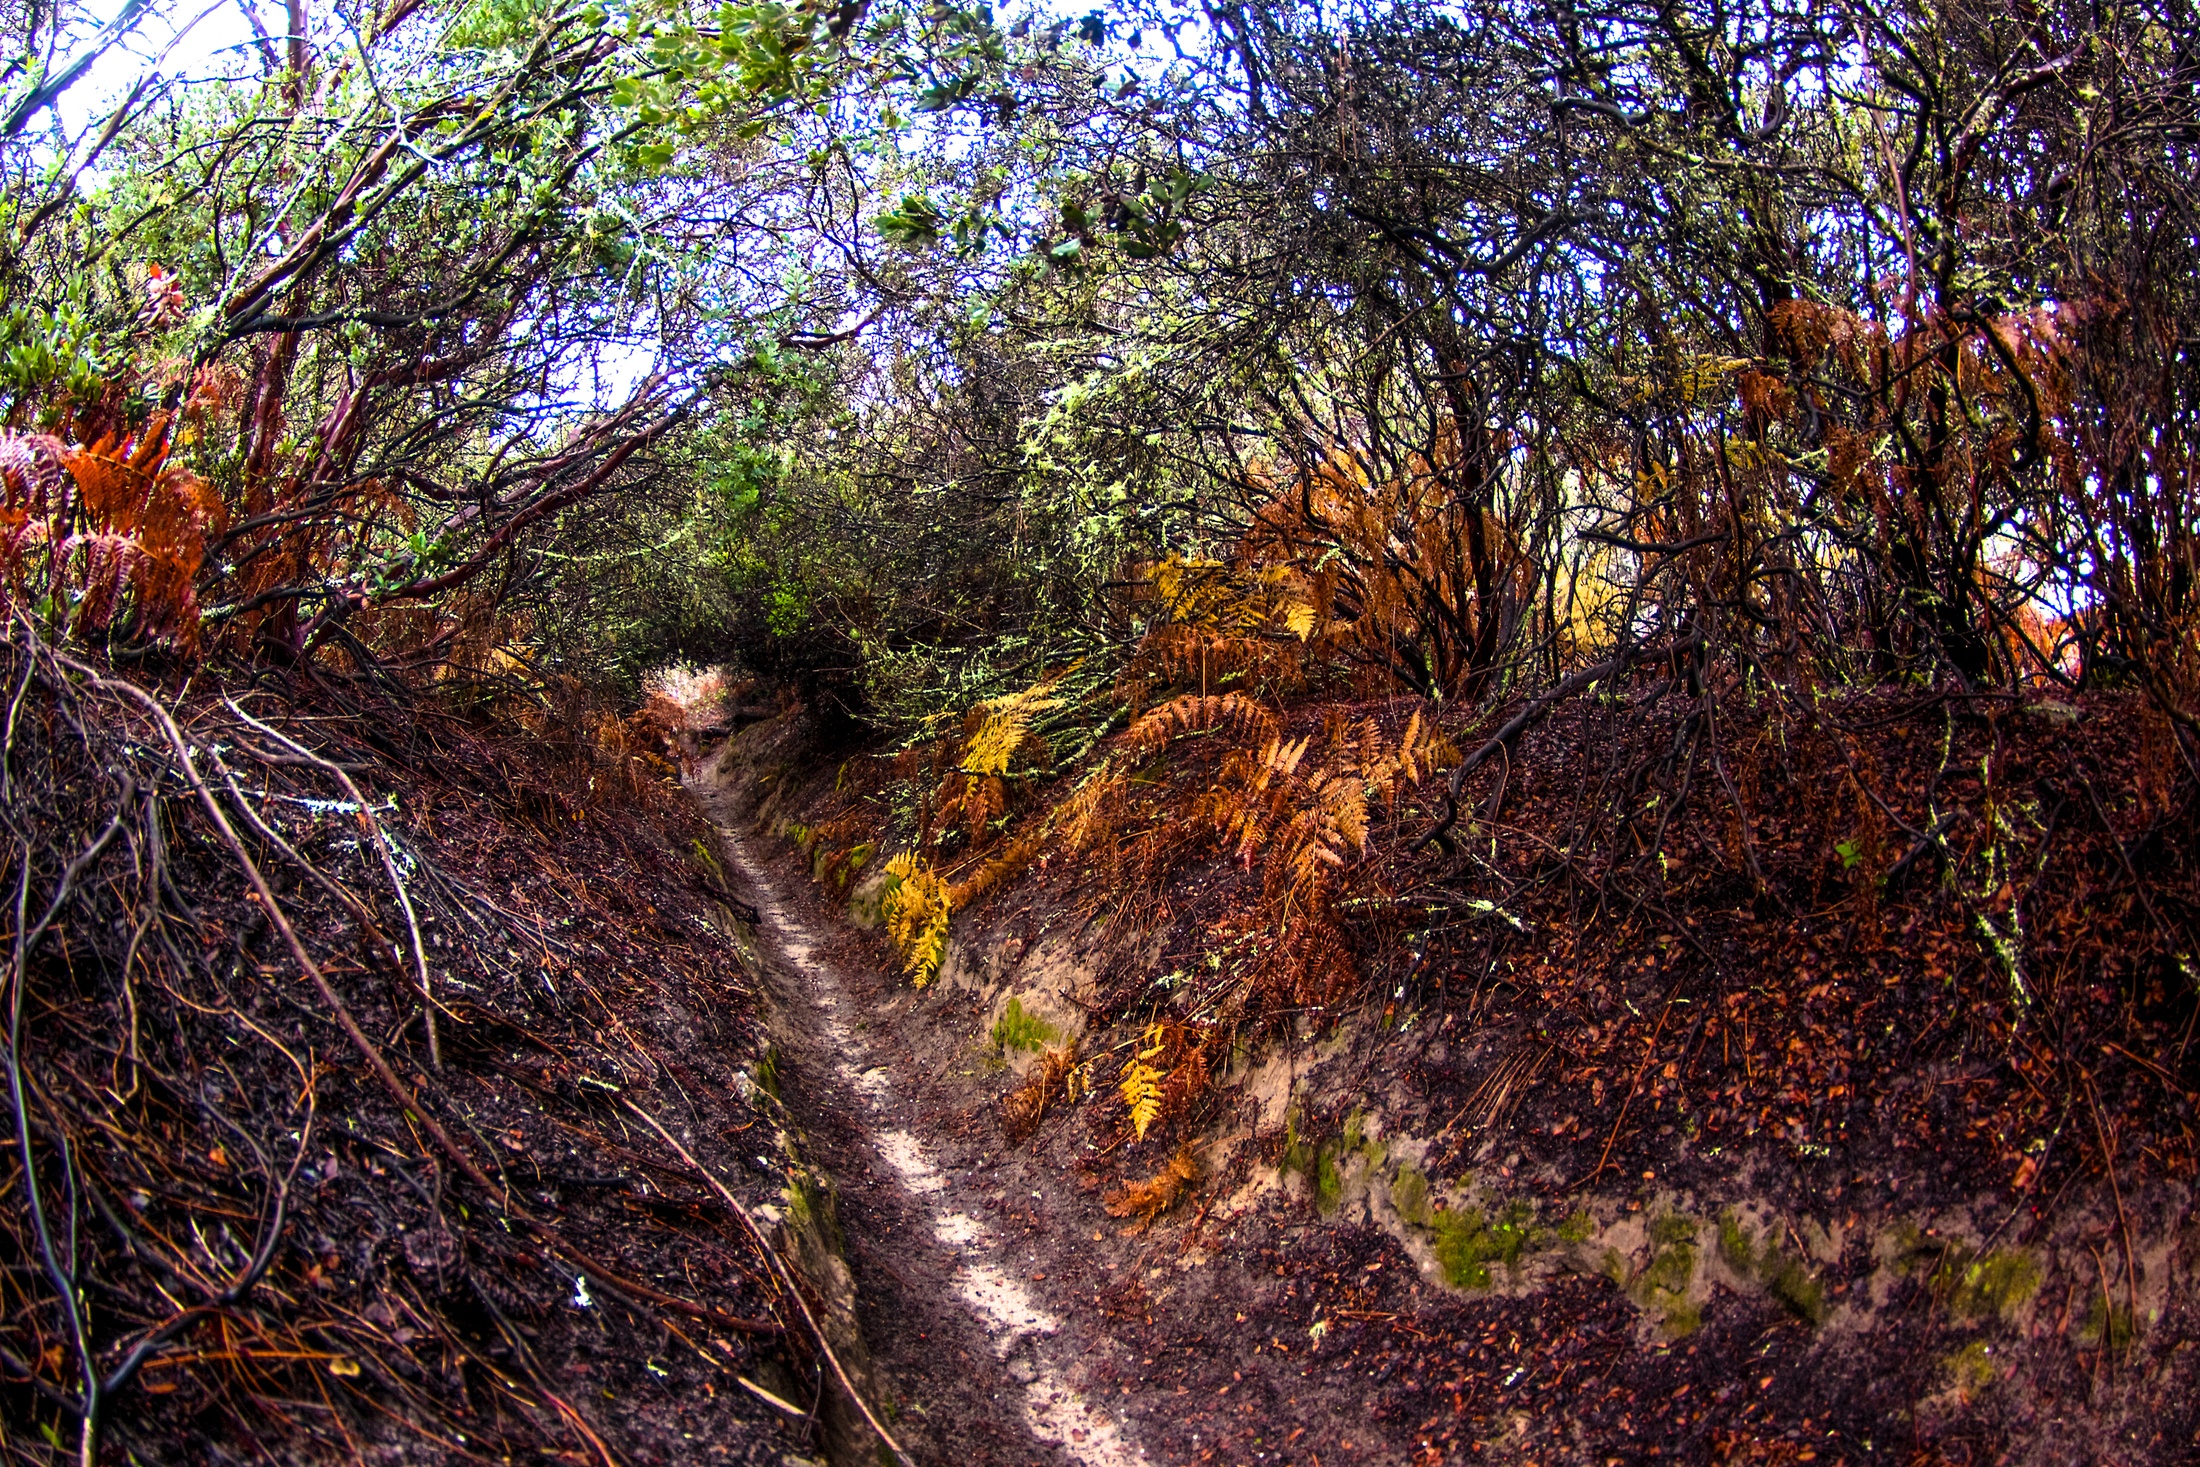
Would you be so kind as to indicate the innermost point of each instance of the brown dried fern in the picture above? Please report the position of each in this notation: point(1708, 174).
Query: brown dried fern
point(1196, 714)
point(1148, 1200)
point(1052, 1080)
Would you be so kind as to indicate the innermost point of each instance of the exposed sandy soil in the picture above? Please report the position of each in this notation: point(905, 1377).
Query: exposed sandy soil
point(973, 1366)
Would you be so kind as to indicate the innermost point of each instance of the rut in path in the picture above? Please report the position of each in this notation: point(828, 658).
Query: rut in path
point(966, 1276)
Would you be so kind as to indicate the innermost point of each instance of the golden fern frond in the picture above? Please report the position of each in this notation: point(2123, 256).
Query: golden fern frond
point(1141, 1082)
point(1310, 964)
point(1195, 714)
point(1251, 796)
point(1240, 604)
point(1193, 592)
point(1408, 755)
point(1421, 750)
point(1141, 1089)
point(1084, 818)
point(981, 798)
point(1188, 1069)
point(1003, 729)
point(1018, 854)
point(1341, 801)
point(916, 909)
point(1309, 860)
point(1320, 839)
point(1201, 652)
point(1437, 750)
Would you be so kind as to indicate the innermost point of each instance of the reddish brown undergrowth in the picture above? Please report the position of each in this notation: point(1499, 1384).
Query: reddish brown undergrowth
point(1881, 923)
point(268, 1203)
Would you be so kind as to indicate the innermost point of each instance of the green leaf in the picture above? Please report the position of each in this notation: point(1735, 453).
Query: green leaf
point(914, 222)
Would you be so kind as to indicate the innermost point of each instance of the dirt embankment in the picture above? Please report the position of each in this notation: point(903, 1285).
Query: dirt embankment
point(384, 1086)
point(1438, 1225)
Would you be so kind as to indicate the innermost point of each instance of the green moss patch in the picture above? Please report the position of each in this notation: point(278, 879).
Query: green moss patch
point(1018, 1029)
point(1735, 1245)
point(707, 858)
point(1468, 1241)
point(1662, 1284)
point(1298, 1151)
point(2108, 1323)
point(1670, 1270)
point(1994, 1285)
point(1318, 1162)
point(1802, 1292)
point(1681, 1320)
point(1328, 1180)
point(1409, 1195)
point(1786, 1279)
point(1970, 1369)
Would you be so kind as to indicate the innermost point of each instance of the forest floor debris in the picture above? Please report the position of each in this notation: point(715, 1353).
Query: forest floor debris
point(307, 1218)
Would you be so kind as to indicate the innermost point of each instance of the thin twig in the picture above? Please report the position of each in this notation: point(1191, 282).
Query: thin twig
point(779, 1265)
point(389, 867)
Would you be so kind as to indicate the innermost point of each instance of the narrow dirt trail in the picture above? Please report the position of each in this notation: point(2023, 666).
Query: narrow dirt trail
point(985, 1374)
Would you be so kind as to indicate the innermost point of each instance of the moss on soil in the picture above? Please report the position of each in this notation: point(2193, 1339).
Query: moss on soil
point(1970, 1369)
point(1789, 1280)
point(1468, 1241)
point(1662, 1285)
point(1409, 1195)
point(1018, 1029)
point(1797, 1287)
point(1987, 1286)
point(2108, 1323)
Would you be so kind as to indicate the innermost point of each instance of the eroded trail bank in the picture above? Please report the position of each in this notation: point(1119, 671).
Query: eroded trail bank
point(1397, 1231)
point(384, 1092)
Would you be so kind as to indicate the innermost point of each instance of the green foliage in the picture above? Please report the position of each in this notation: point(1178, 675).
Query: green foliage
point(488, 25)
point(50, 354)
point(914, 222)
